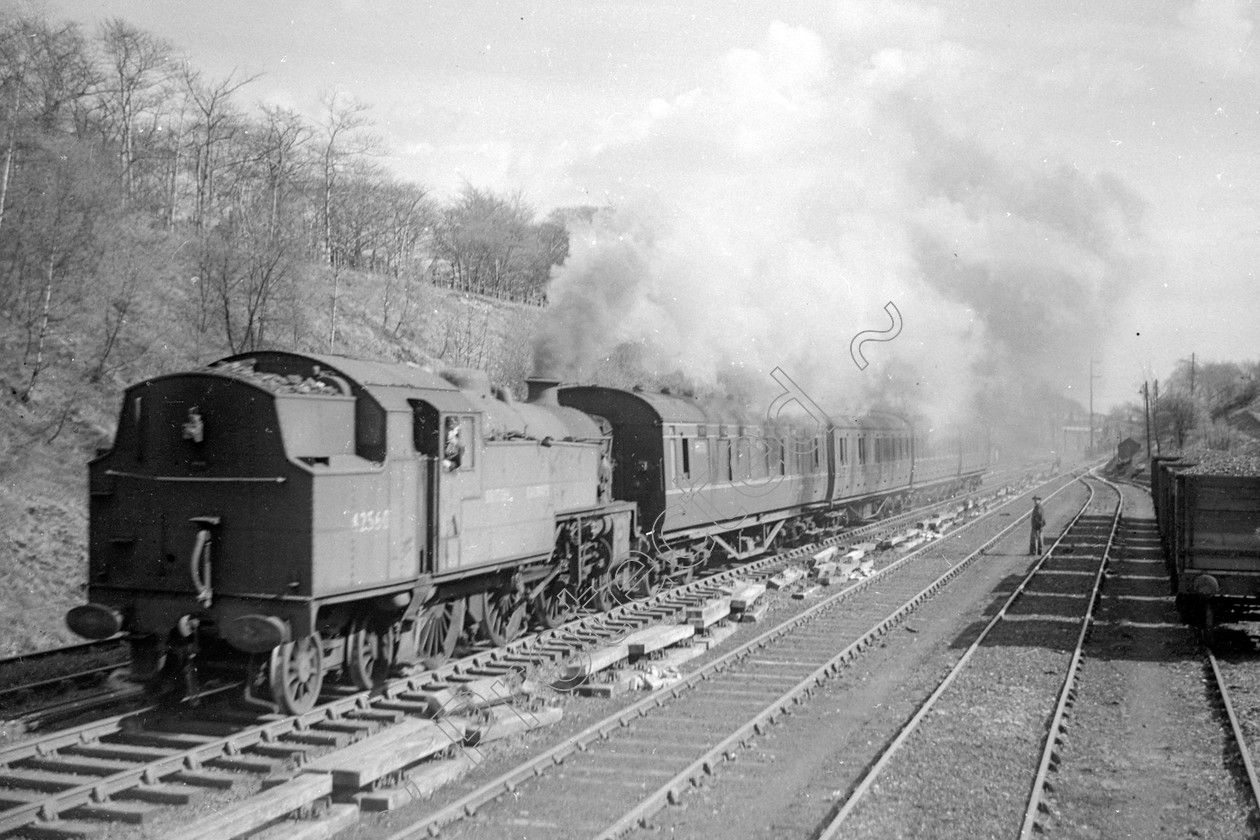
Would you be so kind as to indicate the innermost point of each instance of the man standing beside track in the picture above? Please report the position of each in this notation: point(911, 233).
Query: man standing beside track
point(1038, 521)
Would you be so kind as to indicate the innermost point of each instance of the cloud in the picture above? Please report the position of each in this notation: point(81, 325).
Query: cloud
point(862, 22)
point(1220, 35)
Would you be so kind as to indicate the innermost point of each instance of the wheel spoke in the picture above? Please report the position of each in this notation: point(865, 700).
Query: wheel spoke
point(297, 674)
point(556, 604)
point(365, 654)
point(501, 615)
point(439, 629)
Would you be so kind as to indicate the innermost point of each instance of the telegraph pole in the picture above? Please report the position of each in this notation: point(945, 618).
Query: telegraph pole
point(1091, 405)
point(1146, 412)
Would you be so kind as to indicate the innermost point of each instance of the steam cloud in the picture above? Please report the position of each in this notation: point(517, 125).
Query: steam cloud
point(817, 178)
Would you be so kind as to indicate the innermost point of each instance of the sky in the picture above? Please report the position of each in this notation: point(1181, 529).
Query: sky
point(1031, 185)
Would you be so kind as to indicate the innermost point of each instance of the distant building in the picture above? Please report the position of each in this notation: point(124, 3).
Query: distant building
point(1075, 435)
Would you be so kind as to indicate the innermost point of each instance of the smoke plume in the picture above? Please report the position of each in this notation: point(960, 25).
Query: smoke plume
point(814, 180)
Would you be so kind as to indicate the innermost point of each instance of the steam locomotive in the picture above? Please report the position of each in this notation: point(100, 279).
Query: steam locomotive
point(338, 517)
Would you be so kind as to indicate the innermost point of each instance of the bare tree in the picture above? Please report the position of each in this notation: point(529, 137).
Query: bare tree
point(1177, 417)
point(44, 70)
point(55, 243)
point(464, 333)
point(243, 275)
point(133, 263)
point(282, 141)
point(343, 138)
point(400, 298)
point(482, 238)
point(410, 218)
point(137, 66)
point(216, 124)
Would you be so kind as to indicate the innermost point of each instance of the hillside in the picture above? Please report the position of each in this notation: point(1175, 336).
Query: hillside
point(45, 443)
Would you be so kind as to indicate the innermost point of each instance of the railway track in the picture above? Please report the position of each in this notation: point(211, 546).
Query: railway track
point(1241, 741)
point(33, 658)
point(126, 767)
point(40, 688)
point(43, 670)
point(1000, 685)
point(632, 763)
point(34, 686)
point(1133, 749)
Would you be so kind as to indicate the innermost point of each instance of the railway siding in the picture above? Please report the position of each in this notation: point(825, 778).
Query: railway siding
point(978, 738)
point(1147, 754)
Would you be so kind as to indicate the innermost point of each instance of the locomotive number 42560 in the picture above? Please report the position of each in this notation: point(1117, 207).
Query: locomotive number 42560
point(369, 520)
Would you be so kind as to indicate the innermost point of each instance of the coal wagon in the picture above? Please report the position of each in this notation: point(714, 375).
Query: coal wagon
point(1209, 523)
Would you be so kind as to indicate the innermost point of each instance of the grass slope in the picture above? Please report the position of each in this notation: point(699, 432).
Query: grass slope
point(45, 444)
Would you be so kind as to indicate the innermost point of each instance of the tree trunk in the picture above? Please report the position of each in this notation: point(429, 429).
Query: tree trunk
point(43, 329)
point(127, 152)
point(8, 156)
point(328, 188)
point(172, 195)
point(332, 326)
point(4, 176)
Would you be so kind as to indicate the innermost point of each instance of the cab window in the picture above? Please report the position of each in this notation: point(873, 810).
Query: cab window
point(458, 443)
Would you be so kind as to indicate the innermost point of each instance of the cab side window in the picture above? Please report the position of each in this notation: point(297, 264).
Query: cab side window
point(457, 443)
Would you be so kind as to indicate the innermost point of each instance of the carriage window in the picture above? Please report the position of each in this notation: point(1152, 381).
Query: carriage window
point(725, 466)
point(861, 450)
point(699, 460)
point(682, 458)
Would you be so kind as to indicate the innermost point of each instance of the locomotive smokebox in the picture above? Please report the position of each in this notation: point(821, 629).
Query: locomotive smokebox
point(543, 389)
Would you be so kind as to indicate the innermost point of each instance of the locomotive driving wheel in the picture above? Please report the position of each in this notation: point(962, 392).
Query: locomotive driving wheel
point(501, 616)
point(438, 628)
point(296, 673)
point(556, 603)
point(366, 654)
point(626, 579)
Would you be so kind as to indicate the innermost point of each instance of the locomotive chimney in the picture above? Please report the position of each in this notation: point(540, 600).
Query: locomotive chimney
point(542, 390)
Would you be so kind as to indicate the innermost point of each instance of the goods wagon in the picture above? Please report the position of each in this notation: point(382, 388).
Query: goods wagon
point(1209, 524)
